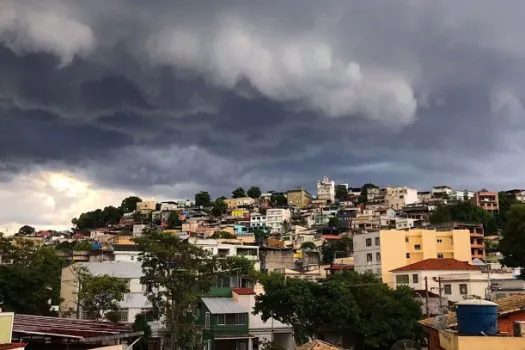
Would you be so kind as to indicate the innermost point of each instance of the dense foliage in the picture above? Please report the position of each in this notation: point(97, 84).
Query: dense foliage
point(219, 207)
point(512, 244)
point(26, 230)
point(32, 279)
point(367, 313)
point(279, 200)
point(364, 192)
point(341, 192)
point(129, 204)
point(254, 192)
point(464, 212)
point(202, 199)
point(238, 193)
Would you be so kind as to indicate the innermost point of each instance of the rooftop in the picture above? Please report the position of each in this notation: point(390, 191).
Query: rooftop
point(121, 269)
point(224, 306)
point(438, 265)
point(243, 291)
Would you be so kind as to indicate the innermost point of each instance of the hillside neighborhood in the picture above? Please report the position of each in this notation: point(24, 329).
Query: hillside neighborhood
point(440, 246)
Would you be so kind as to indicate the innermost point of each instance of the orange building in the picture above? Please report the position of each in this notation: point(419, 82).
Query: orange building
point(488, 201)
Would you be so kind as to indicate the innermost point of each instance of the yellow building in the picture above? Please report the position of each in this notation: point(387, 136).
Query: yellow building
point(6, 326)
point(450, 340)
point(234, 203)
point(146, 207)
point(240, 212)
point(299, 198)
point(385, 250)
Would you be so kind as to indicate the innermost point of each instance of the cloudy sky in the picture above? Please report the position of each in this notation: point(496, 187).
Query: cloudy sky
point(101, 99)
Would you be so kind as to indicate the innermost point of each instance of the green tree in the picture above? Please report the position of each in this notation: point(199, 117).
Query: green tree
point(26, 230)
point(334, 222)
point(506, 200)
point(141, 325)
point(340, 248)
point(32, 279)
point(129, 204)
point(254, 192)
point(286, 226)
point(512, 244)
point(308, 246)
point(173, 220)
point(219, 207)
point(341, 192)
point(179, 273)
point(98, 218)
point(223, 235)
point(100, 295)
point(202, 199)
point(279, 200)
point(464, 212)
point(364, 192)
point(260, 235)
point(238, 193)
point(367, 313)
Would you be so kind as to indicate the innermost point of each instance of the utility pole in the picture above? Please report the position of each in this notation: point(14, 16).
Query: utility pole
point(78, 297)
point(426, 297)
point(440, 299)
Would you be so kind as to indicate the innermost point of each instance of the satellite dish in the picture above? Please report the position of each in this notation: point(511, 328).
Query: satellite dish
point(440, 322)
point(406, 344)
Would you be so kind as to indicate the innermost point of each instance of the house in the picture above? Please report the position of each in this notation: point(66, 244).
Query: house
point(399, 197)
point(488, 201)
point(275, 219)
point(461, 195)
point(375, 195)
point(442, 191)
point(519, 194)
point(510, 310)
point(134, 302)
point(146, 207)
point(299, 198)
point(423, 197)
point(257, 220)
point(381, 251)
point(168, 206)
point(242, 202)
point(326, 190)
point(458, 280)
point(225, 324)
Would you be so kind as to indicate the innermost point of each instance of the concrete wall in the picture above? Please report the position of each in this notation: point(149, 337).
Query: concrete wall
point(276, 259)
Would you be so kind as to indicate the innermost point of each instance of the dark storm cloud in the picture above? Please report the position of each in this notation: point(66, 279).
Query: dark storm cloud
point(226, 93)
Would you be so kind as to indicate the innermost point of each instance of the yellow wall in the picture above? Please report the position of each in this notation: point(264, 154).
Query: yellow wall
point(451, 341)
point(395, 244)
point(239, 212)
point(6, 327)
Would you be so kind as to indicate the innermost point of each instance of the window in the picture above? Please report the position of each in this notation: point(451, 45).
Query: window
point(378, 256)
point(132, 257)
point(369, 257)
point(377, 241)
point(147, 287)
point(231, 319)
point(406, 239)
point(439, 240)
point(369, 242)
point(402, 279)
point(463, 289)
point(148, 312)
point(408, 255)
point(447, 288)
point(440, 255)
point(417, 246)
point(122, 315)
point(415, 278)
point(207, 321)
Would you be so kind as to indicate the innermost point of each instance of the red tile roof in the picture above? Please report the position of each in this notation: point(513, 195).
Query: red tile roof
point(330, 237)
point(12, 346)
point(243, 291)
point(438, 264)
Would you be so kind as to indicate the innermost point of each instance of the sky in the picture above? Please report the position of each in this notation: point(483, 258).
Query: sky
point(103, 99)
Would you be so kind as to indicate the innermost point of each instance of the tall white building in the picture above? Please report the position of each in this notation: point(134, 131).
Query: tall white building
point(326, 189)
point(275, 219)
point(399, 197)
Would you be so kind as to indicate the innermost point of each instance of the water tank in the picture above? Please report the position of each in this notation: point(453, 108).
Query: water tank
point(477, 317)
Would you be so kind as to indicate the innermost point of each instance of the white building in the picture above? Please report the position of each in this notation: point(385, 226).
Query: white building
point(223, 250)
point(461, 195)
point(459, 279)
point(399, 197)
point(271, 330)
point(134, 302)
point(276, 217)
point(168, 206)
point(367, 253)
point(326, 190)
point(257, 220)
point(442, 191)
point(405, 223)
point(138, 229)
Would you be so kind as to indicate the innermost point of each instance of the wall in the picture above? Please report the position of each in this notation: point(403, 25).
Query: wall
point(68, 291)
point(451, 341)
point(361, 250)
point(505, 321)
point(277, 258)
point(6, 327)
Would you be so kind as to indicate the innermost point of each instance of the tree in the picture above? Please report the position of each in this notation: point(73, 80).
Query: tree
point(178, 273)
point(173, 220)
point(26, 230)
point(367, 313)
point(363, 197)
point(219, 207)
point(98, 218)
point(506, 200)
point(32, 279)
point(238, 193)
point(341, 192)
point(129, 204)
point(202, 199)
point(254, 192)
point(512, 244)
point(223, 235)
point(286, 226)
point(334, 222)
point(100, 295)
point(464, 212)
point(340, 248)
point(308, 246)
point(141, 325)
point(279, 200)
point(260, 235)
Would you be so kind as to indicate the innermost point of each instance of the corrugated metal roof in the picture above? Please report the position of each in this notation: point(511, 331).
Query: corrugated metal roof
point(224, 306)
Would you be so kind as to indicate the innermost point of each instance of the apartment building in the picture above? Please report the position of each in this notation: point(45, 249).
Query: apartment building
point(134, 302)
point(257, 220)
point(146, 207)
point(518, 193)
point(442, 191)
point(326, 190)
point(488, 201)
point(458, 279)
point(367, 220)
point(477, 237)
point(375, 195)
point(223, 250)
point(275, 219)
point(234, 203)
point(299, 198)
point(399, 197)
point(382, 251)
